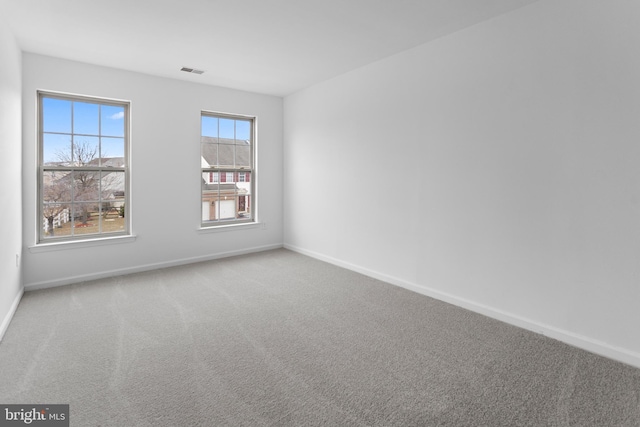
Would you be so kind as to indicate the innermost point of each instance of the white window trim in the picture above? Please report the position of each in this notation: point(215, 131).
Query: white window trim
point(78, 244)
point(231, 227)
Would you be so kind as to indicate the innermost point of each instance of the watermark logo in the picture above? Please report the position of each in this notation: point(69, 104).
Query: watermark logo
point(34, 415)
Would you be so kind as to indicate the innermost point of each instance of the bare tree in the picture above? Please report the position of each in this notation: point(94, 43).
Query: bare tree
point(81, 185)
point(86, 183)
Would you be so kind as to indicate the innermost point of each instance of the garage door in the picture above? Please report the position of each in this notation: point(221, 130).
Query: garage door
point(227, 209)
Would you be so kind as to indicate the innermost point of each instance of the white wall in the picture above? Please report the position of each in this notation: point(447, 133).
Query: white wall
point(512, 148)
point(165, 162)
point(10, 176)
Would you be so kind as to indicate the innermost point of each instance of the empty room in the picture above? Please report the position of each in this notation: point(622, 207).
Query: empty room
point(320, 213)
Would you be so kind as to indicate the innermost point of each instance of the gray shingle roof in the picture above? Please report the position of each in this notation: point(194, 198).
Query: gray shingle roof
point(223, 188)
point(225, 152)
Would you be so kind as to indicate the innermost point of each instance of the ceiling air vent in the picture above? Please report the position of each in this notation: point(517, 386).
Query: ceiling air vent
point(191, 70)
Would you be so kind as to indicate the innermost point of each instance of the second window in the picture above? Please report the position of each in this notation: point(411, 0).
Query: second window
point(227, 169)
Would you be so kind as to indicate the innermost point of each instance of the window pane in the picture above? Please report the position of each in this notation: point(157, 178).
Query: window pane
point(227, 129)
point(209, 202)
point(110, 219)
point(85, 218)
point(56, 186)
point(209, 155)
point(86, 150)
point(56, 148)
point(226, 155)
point(243, 156)
point(227, 204)
point(242, 207)
point(112, 120)
point(244, 196)
point(56, 220)
point(210, 126)
point(219, 202)
point(56, 115)
point(86, 186)
point(112, 186)
point(112, 152)
point(243, 130)
point(85, 118)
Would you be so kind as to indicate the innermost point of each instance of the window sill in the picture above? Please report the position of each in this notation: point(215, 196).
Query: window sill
point(230, 227)
point(77, 244)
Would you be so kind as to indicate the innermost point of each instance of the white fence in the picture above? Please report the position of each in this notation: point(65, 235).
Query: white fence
point(58, 220)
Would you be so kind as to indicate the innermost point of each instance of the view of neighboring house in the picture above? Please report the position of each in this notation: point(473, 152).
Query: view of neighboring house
point(225, 194)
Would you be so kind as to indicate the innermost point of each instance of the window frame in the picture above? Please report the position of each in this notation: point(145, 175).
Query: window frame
point(41, 235)
point(225, 170)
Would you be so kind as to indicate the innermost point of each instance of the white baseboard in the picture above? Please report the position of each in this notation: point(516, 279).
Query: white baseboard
point(575, 340)
point(7, 319)
point(146, 267)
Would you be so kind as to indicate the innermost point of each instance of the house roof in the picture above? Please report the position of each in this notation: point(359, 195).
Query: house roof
point(225, 152)
point(110, 162)
point(223, 188)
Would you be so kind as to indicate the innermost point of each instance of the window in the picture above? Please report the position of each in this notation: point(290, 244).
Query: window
point(83, 172)
point(227, 152)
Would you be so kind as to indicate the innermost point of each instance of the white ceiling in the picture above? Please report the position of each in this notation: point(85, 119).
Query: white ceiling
point(267, 46)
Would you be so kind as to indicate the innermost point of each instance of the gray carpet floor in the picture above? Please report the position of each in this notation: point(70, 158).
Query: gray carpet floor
point(280, 339)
